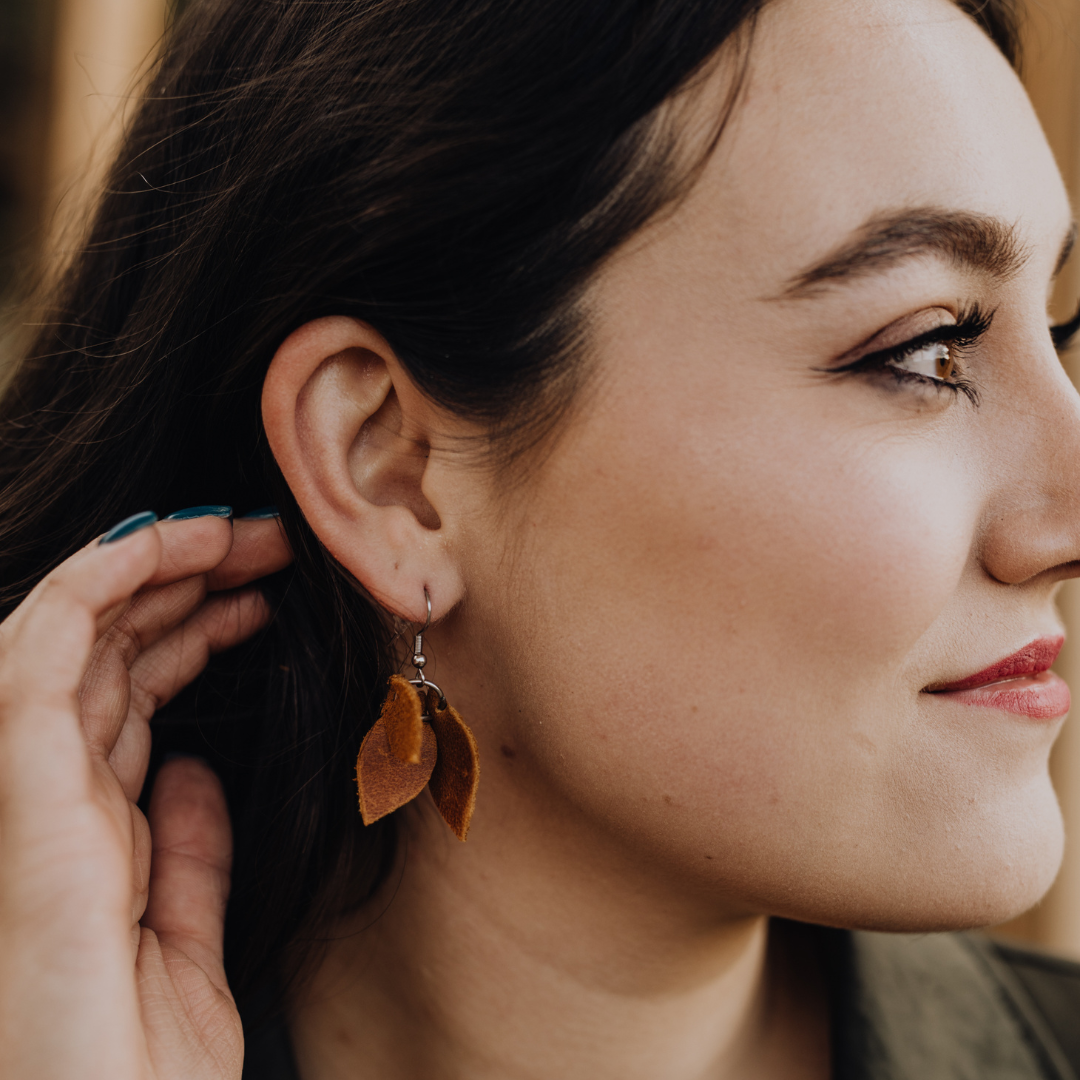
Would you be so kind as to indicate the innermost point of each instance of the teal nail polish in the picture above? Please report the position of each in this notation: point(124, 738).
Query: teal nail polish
point(262, 514)
point(200, 512)
point(129, 526)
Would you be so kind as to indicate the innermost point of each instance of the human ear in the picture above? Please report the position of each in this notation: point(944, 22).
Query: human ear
point(351, 434)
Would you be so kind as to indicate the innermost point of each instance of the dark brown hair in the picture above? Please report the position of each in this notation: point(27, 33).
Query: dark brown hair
point(451, 171)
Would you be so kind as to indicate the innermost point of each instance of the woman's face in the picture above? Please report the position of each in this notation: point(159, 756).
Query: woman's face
point(710, 624)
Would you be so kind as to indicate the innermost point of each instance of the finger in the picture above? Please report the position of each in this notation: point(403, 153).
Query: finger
point(192, 546)
point(190, 863)
point(154, 613)
point(165, 669)
point(204, 1038)
point(259, 548)
point(41, 744)
point(189, 548)
point(105, 688)
point(72, 565)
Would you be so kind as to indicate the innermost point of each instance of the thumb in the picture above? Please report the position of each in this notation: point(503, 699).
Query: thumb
point(190, 863)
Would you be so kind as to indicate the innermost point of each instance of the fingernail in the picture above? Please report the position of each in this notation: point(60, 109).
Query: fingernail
point(201, 511)
point(262, 514)
point(129, 526)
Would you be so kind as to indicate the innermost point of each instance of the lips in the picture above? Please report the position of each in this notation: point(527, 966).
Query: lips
point(1022, 683)
point(1030, 660)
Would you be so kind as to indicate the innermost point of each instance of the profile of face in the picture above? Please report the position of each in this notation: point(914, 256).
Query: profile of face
point(824, 466)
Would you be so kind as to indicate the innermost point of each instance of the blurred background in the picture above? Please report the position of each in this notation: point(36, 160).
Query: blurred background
point(68, 73)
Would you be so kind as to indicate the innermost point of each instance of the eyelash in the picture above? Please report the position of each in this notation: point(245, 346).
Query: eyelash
point(1064, 333)
point(964, 334)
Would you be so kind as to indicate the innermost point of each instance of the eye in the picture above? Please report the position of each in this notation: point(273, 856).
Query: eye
point(935, 358)
point(931, 360)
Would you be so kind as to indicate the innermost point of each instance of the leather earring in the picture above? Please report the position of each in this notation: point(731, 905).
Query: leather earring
point(418, 741)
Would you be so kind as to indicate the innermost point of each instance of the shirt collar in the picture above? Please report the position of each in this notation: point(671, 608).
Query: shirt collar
point(912, 1007)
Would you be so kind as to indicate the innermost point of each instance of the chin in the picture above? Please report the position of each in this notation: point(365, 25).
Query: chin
point(983, 870)
point(986, 878)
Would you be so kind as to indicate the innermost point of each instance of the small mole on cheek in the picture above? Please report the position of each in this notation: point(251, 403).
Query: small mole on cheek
point(508, 752)
point(709, 857)
point(667, 799)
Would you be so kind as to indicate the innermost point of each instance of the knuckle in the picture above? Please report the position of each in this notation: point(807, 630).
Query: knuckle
point(57, 586)
point(124, 636)
point(144, 702)
point(59, 598)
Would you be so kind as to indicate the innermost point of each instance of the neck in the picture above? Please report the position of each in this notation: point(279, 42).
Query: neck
point(549, 954)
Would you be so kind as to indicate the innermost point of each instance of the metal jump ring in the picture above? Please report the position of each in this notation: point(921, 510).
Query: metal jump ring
point(422, 684)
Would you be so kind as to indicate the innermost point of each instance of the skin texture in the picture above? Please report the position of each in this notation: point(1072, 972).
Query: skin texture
point(693, 639)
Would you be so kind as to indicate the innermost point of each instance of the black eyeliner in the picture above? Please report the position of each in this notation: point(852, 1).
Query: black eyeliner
point(965, 332)
point(969, 328)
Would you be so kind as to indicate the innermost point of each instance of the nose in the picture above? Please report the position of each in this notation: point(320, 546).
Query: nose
point(1031, 527)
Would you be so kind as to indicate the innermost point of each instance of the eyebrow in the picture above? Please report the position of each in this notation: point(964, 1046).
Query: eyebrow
point(968, 240)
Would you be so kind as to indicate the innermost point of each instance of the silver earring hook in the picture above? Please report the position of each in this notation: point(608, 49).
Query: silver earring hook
point(421, 682)
point(418, 640)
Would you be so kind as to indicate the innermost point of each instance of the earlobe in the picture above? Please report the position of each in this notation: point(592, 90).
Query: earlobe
point(348, 432)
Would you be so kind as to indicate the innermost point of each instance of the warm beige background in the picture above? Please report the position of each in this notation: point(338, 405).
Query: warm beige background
point(102, 45)
point(1052, 74)
point(101, 48)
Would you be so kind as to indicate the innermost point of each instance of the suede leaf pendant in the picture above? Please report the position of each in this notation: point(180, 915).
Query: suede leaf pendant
point(457, 771)
point(401, 755)
point(397, 755)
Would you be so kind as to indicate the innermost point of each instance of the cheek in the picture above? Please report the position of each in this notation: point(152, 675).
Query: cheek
point(720, 615)
point(777, 545)
point(836, 546)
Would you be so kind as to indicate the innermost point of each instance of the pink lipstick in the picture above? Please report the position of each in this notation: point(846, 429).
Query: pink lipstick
point(1022, 683)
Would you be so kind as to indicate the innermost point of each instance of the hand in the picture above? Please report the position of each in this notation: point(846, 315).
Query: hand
point(110, 925)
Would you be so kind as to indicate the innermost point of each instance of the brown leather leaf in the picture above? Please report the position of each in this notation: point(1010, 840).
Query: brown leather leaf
point(401, 715)
point(456, 775)
point(385, 782)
